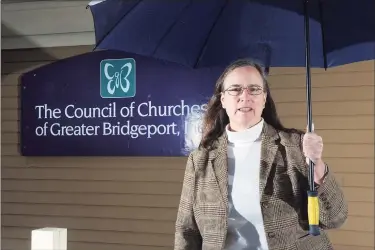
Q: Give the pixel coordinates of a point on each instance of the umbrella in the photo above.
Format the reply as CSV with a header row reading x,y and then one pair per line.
x,y
216,32
293,33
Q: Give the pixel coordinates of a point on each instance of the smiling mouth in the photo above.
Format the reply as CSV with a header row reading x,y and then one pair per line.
x,y
245,109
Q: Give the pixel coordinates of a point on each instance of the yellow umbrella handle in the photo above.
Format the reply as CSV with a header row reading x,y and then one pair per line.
x,y
313,213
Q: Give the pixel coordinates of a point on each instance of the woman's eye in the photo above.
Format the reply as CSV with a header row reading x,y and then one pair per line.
x,y
255,90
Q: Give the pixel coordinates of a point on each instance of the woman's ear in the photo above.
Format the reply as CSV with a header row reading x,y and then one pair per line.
x,y
265,99
222,100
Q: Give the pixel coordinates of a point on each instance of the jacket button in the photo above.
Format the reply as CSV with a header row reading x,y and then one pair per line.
x,y
271,234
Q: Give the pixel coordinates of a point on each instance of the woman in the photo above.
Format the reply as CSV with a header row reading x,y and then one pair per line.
x,y
246,185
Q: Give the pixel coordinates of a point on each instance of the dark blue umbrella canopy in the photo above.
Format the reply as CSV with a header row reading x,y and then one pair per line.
x,y
210,33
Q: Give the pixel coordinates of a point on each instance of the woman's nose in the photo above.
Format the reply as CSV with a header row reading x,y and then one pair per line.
x,y
245,95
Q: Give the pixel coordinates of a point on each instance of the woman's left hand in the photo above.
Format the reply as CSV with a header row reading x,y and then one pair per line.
x,y
313,150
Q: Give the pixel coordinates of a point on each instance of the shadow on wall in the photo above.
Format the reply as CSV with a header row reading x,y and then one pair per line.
x,y
12,63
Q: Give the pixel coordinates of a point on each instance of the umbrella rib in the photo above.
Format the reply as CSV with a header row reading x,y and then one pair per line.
x,y
115,25
209,34
170,28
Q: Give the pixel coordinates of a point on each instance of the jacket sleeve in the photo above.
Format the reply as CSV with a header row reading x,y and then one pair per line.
x,y
333,209
187,235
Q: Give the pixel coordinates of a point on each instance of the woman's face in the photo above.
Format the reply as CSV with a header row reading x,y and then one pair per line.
x,y
243,97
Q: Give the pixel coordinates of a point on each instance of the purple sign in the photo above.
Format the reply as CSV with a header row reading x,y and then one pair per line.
x,y
110,103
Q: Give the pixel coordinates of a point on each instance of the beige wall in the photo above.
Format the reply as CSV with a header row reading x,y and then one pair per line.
x,y
119,203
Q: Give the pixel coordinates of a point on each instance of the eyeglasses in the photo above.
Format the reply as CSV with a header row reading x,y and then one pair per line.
x,y
238,90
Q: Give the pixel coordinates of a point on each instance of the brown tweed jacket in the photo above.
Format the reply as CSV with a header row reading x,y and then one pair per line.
x,y
202,214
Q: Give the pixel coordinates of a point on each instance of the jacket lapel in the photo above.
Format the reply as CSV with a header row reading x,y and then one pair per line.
x,y
219,162
268,153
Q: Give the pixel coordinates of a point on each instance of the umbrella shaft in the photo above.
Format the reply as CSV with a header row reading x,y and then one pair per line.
x,y
308,87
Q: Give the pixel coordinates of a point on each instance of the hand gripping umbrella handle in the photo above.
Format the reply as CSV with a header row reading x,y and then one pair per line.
x,y
312,197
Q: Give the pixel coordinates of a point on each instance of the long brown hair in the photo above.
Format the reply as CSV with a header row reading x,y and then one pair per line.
x,y
216,119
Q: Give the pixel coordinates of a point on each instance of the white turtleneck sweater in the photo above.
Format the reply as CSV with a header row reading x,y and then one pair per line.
x,y
245,220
